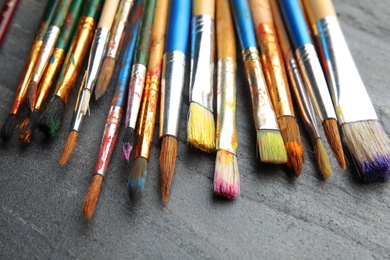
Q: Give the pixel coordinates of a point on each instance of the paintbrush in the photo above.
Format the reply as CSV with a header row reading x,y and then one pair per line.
x,y
299,90
67,30
7,13
200,123
271,58
114,117
137,78
21,89
149,105
313,75
52,115
270,142
114,47
96,55
363,134
172,84
226,175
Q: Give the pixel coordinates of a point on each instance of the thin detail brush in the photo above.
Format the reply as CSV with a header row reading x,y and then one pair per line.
x,y
7,13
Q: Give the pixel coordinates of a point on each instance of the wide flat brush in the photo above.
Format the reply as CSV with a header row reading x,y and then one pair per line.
x,y
7,13
270,142
172,84
21,89
114,117
271,58
312,74
137,78
114,47
226,175
149,105
363,134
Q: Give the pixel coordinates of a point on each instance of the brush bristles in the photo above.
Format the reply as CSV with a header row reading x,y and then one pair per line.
x,y
28,126
51,119
127,143
104,77
271,146
167,164
92,196
69,147
226,176
322,159
292,141
32,94
8,127
137,178
332,134
201,128
369,146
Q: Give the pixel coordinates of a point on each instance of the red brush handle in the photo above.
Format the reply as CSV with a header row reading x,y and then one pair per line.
x,y
7,13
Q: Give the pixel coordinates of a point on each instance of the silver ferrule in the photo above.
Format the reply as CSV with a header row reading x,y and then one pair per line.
x,y
172,83
49,42
78,113
136,89
263,112
202,61
314,79
349,95
226,105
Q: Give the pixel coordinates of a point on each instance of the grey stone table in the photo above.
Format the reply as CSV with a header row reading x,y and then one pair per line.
x,y
276,216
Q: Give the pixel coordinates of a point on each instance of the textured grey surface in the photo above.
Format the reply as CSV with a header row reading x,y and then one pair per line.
x,y
276,216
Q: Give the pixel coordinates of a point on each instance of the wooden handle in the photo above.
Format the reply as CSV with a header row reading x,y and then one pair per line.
x,y
318,9
200,7
108,14
225,30
261,11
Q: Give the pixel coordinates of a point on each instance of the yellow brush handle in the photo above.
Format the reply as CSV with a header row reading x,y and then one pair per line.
x,y
108,13
200,7
318,9
225,30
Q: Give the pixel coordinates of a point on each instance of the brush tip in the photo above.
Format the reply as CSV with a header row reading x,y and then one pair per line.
x,y
28,126
127,143
226,176
271,146
8,127
51,118
69,147
201,128
322,159
104,77
167,160
137,178
92,196
332,134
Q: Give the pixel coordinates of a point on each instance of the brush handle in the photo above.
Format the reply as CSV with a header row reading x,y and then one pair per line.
x,y
178,26
47,17
225,31
93,9
60,13
244,25
203,7
108,14
7,12
318,9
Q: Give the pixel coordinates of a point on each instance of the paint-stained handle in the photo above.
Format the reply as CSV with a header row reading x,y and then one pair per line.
x,y
108,14
202,7
225,31
60,13
93,9
46,19
243,19
178,25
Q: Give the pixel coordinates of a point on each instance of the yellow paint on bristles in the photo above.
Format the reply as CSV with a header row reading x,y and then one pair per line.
x,y
322,159
271,146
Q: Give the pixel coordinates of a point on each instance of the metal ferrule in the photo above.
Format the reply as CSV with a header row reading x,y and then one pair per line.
x,y
202,61
172,83
78,113
314,79
349,95
226,134
110,135
136,88
263,112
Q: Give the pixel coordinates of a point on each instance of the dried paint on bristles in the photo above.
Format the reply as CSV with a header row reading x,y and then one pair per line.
x,y
32,94
8,127
69,147
28,126
167,159
104,77
137,178
226,176
292,141
92,196
322,159
369,146
127,143
271,146
51,119
332,134
201,128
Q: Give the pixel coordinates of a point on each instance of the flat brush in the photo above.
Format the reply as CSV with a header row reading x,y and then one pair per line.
x,y
172,84
363,134
301,96
226,175
21,89
114,47
7,13
137,78
150,98
312,74
271,58
114,117
52,115
270,142
96,55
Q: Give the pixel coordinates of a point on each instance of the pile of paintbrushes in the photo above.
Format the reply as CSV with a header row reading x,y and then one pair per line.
x,y
279,59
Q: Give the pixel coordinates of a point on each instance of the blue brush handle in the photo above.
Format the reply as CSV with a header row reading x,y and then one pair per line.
x,y
244,25
178,26
295,22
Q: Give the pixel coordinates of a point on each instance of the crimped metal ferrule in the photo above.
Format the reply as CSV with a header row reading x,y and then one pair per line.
x,y
78,114
110,135
314,79
263,112
202,61
226,105
349,95
172,83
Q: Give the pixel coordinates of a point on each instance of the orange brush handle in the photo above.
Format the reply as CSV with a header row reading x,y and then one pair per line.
x,y
225,31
